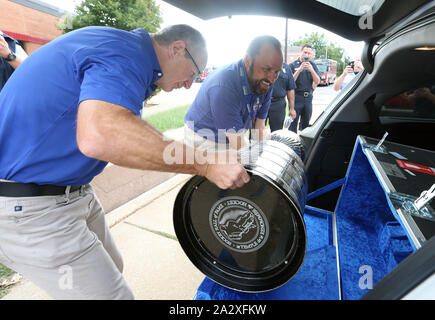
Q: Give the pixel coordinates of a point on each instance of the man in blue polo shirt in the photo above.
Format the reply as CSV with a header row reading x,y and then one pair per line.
x,y
236,98
72,107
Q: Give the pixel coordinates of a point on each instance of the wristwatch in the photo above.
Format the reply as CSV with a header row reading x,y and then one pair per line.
x,y
11,57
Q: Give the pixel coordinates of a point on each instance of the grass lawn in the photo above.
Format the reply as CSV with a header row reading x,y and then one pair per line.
x,y
169,119
5,273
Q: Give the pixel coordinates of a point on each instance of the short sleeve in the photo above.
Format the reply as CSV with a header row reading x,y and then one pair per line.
x,y
111,78
225,106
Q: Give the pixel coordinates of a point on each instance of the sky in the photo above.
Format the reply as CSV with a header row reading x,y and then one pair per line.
x,y
228,38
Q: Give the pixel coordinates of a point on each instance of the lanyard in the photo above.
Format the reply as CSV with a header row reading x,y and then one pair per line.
x,y
252,109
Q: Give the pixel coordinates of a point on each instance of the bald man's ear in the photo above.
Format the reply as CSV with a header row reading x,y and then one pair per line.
x,y
247,61
176,48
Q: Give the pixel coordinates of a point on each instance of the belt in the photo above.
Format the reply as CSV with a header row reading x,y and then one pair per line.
x,y
276,99
303,93
16,189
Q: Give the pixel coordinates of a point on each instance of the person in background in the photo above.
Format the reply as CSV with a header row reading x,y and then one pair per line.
x,y
9,59
283,87
307,77
349,73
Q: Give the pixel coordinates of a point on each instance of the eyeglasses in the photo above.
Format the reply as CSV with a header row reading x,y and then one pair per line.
x,y
196,66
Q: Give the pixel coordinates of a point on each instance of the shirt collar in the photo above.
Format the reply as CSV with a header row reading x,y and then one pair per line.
x,y
149,48
243,74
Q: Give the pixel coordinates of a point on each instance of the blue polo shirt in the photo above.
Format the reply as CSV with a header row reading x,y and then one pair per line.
x,y
225,101
38,105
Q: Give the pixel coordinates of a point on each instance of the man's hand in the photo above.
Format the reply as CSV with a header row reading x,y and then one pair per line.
x,y
292,113
422,92
225,171
4,48
348,70
306,66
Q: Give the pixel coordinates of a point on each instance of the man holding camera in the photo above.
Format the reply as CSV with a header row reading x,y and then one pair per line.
x,y
307,78
9,61
348,74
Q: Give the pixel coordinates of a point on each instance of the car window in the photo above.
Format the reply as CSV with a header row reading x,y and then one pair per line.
x,y
415,104
356,7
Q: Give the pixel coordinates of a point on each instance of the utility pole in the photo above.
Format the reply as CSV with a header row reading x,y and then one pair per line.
x,y
285,46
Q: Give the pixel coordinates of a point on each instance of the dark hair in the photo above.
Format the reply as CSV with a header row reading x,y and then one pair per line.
x,y
256,45
307,45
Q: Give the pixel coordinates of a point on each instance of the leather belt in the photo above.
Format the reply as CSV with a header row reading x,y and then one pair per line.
x,y
303,93
16,189
276,99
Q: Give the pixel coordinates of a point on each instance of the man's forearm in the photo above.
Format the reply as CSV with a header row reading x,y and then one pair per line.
x,y
316,78
115,135
261,132
296,74
339,82
15,63
291,99
237,141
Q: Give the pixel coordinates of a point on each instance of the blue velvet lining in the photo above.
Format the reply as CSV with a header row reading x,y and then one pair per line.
x,y
371,242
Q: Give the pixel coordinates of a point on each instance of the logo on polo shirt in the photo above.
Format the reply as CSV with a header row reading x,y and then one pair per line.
x,y
257,105
239,224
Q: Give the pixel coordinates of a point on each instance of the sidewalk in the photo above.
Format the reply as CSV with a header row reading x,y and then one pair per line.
x,y
155,266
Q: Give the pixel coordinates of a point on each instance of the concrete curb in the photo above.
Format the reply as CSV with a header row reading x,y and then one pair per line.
x,y
121,213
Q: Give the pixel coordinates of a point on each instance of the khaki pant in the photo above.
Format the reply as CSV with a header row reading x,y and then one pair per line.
x,y
63,245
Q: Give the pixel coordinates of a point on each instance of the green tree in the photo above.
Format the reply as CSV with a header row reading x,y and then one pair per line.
x,y
120,14
318,41
323,48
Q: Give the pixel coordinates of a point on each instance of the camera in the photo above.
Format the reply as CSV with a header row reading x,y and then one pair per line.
x,y
352,64
306,59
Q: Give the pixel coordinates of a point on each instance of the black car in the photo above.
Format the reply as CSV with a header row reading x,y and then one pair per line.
x,y
395,94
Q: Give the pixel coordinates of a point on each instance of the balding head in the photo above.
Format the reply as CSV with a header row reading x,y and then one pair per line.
x,y
195,42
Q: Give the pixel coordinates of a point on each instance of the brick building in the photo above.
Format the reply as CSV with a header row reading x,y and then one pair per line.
x,y
292,53
32,22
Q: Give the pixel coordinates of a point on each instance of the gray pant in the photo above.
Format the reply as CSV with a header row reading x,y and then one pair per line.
x,y
63,245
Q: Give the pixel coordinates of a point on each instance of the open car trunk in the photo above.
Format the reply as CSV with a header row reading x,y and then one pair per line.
x,y
360,241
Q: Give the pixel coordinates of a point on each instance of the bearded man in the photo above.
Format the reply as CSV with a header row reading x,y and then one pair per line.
x,y
235,99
